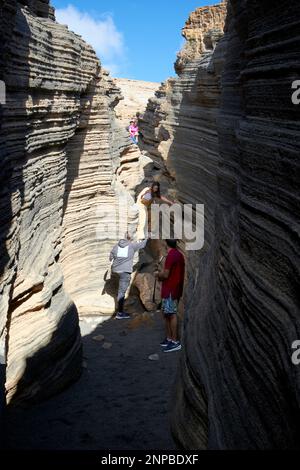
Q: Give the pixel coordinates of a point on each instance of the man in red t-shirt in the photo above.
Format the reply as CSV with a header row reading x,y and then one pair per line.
x,y
172,278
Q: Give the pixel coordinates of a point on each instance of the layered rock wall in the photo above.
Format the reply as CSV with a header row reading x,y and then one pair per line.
x,y
60,151
91,197
180,124
103,170
228,134
136,94
44,78
255,311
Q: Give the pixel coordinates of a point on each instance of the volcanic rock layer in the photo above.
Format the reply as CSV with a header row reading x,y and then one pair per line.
x,y
228,133
224,134
64,165
136,94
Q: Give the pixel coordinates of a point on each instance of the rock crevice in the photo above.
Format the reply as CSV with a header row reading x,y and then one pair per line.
x,y
224,133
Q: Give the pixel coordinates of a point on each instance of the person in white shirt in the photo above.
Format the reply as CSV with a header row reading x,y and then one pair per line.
x,y
122,256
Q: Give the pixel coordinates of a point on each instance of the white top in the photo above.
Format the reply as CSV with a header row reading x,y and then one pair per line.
x,y
122,252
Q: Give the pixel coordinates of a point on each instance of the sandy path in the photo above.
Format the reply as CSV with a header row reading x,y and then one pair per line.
x,y
121,401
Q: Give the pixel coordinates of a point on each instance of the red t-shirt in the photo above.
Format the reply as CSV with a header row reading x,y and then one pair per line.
x,y
174,284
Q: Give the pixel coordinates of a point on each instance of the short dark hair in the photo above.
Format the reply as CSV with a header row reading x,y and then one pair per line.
x,y
172,243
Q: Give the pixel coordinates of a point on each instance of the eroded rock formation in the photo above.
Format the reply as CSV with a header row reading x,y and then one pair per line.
x,y
46,70
224,133
103,171
227,131
136,94
61,148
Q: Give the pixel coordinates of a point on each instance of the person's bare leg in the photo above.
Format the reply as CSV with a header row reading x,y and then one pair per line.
x,y
173,327
142,229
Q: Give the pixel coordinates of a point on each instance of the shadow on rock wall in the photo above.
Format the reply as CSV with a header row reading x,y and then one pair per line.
x,y
18,153
11,178
237,387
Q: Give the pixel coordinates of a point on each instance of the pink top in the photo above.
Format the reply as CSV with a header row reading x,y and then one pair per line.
x,y
133,130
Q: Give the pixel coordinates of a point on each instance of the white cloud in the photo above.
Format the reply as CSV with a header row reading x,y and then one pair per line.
x,y
101,34
114,69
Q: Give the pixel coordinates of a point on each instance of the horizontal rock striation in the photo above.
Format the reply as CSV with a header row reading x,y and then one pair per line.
x,y
38,318
103,170
180,133
90,198
228,133
136,94
60,151
180,124
255,273
202,32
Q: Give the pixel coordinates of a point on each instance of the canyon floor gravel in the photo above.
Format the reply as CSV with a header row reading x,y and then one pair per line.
x,y
121,402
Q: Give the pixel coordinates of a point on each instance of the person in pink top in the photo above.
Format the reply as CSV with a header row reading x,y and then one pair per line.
x,y
134,132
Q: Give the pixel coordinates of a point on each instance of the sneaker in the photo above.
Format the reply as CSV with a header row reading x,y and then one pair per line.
x,y
172,346
165,343
122,316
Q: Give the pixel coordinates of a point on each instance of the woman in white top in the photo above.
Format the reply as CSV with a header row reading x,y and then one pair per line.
x,y
145,199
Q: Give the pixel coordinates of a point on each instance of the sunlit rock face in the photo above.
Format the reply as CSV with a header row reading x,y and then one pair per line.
x,y
61,148
228,134
103,170
136,94
91,197
202,32
46,69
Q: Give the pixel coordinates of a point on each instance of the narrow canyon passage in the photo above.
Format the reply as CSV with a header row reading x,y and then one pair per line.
x,y
121,402
222,134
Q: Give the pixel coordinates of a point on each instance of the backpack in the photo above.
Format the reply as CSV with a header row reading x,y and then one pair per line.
x,y
146,199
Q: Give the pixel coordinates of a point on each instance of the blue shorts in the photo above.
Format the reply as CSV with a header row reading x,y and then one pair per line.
x,y
169,306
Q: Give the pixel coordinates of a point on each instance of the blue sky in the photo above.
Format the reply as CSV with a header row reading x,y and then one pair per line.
x,y
134,39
